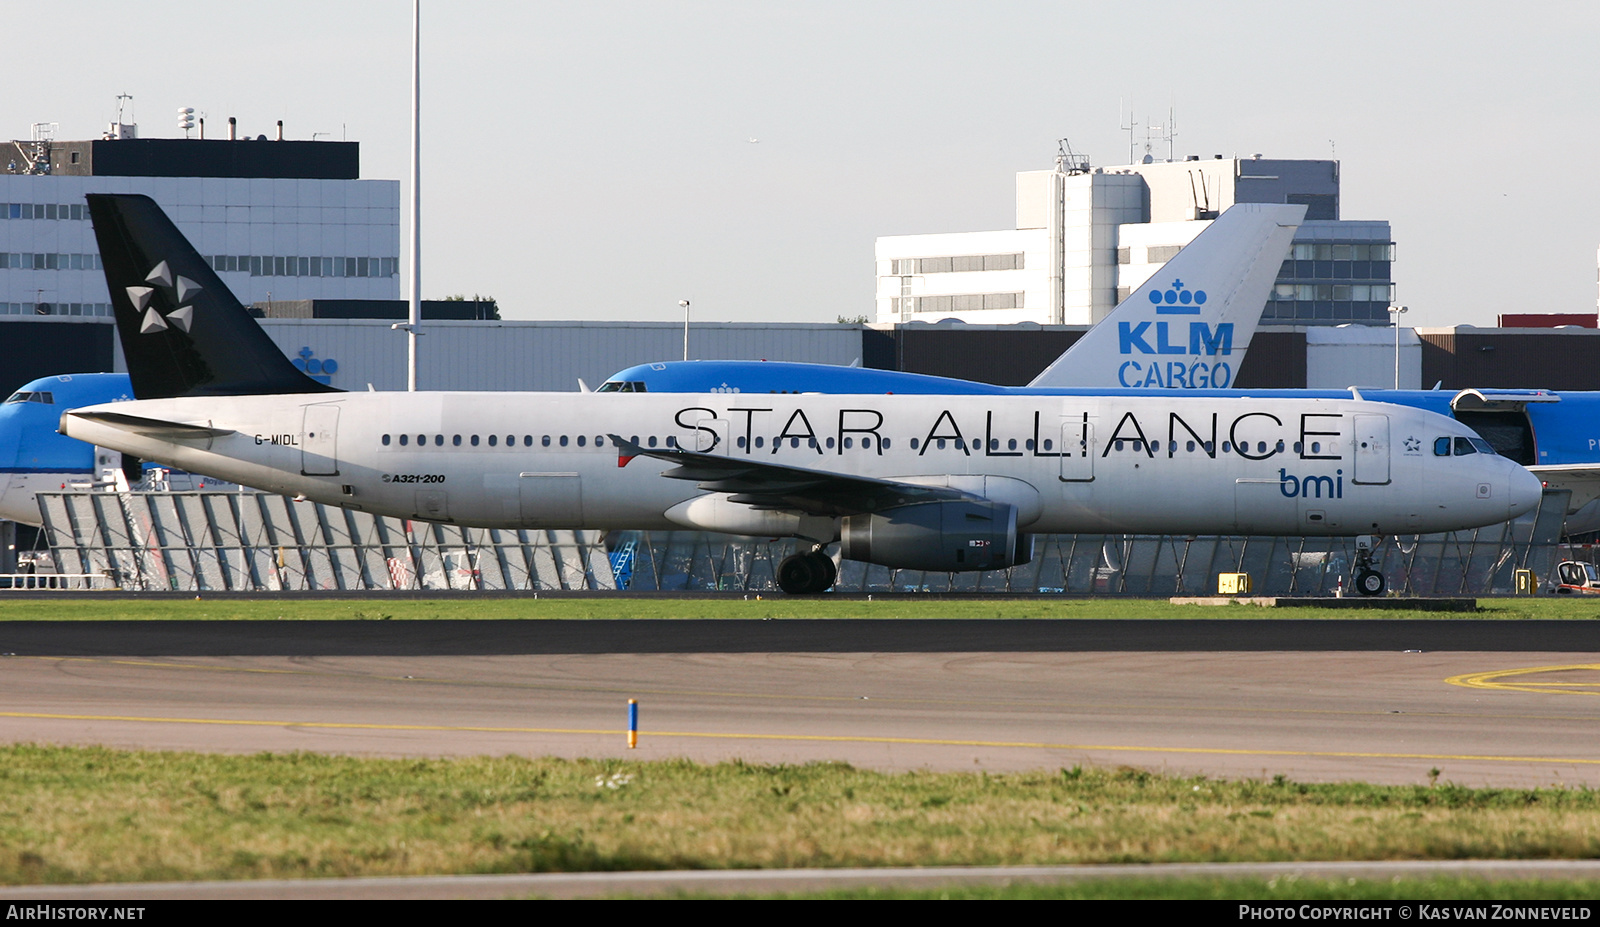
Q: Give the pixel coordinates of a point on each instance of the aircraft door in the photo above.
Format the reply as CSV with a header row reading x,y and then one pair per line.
x,y
1077,448
1372,449
319,454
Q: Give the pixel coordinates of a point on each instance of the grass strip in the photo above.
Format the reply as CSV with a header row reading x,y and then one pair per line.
x,y
377,608
85,814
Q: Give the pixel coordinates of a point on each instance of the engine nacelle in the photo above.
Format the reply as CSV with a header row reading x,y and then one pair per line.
x,y
943,536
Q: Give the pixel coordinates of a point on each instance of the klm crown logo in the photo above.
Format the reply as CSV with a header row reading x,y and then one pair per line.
x,y
1177,301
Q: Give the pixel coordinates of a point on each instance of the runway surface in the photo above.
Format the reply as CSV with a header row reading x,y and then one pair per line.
x,y
1485,702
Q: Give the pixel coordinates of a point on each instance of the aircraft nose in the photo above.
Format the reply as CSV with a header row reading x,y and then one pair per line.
x,y
1524,492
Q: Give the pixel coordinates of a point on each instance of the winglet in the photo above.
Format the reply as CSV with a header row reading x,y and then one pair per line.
x,y
626,450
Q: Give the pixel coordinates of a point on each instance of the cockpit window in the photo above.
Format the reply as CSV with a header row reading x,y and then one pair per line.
x,y
1460,447
621,386
44,396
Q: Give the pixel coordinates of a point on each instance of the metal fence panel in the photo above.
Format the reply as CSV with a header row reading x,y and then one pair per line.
x,y
258,541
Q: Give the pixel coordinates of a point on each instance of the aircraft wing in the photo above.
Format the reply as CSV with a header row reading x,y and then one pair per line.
x,y
785,488
1582,479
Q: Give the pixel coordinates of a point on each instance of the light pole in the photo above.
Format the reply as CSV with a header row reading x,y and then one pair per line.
x,y
414,298
685,304
1395,311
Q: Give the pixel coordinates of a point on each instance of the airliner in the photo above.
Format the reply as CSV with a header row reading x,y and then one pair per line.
x,y
33,457
953,483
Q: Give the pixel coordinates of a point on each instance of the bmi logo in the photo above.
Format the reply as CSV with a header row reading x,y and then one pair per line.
x,y
1177,301
317,368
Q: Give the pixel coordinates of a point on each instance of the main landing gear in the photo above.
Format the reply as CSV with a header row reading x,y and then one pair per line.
x,y
807,574
1368,580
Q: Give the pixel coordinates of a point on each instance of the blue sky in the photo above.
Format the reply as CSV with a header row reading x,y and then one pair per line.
x,y
593,160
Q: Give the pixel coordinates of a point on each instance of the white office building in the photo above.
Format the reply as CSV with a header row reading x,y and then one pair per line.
x,y
1086,237
276,219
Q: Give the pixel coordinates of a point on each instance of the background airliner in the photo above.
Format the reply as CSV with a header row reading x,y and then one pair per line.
x,y
924,482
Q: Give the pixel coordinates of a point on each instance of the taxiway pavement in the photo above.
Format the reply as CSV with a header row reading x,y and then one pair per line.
x,y
1484,702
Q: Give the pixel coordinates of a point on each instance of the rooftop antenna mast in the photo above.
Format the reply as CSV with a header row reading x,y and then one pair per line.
x,y
123,128
1127,124
1166,133
1172,129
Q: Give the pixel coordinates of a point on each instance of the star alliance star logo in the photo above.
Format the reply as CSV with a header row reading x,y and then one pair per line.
x,y
1413,445
180,290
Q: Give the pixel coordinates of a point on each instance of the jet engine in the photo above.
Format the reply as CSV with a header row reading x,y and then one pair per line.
x,y
955,536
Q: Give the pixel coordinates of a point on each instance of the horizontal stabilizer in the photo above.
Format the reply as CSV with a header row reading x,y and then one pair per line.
x,y
154,427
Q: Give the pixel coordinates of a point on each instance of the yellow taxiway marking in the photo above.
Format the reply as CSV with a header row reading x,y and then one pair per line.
x,y
812,738
1496,679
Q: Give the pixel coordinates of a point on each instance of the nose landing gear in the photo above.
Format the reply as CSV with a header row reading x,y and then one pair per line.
x,y
807,574
1368,580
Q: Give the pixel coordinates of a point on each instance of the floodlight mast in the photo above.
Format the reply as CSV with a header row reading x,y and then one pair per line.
x,y
416,196
1395,312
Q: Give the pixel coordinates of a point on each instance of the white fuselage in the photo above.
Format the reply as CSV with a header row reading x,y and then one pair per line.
x,y
1069,464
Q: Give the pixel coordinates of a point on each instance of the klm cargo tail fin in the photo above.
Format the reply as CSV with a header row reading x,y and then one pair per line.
x,y
1189,325
183,333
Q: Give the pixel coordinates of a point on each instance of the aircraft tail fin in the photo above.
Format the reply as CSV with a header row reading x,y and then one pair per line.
x,y
1188,326
183,332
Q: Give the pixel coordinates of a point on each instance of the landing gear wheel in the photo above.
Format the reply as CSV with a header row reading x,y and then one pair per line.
x,y
806,574
1370,582
830,573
